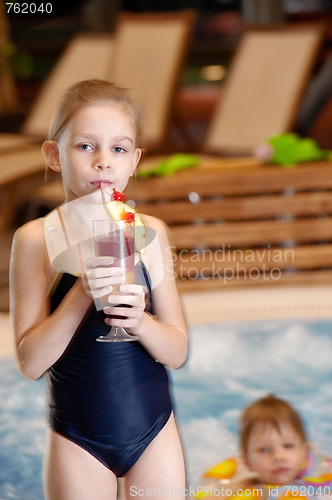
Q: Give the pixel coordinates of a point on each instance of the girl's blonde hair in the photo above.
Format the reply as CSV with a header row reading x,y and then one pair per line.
x,y
89,92
273,411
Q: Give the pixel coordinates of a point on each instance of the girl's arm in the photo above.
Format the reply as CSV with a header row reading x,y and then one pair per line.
x,y
165,335
41,338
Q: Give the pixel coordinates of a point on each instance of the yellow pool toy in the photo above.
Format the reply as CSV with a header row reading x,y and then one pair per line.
x,y
232,479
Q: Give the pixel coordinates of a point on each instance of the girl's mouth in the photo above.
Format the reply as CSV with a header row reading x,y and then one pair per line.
x,y
101,184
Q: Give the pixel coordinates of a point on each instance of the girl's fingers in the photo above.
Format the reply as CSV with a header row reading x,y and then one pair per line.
x,y
126,310
100,292
100,278
134,301
94,262
134,289
127,323
121,316
100,272
102,282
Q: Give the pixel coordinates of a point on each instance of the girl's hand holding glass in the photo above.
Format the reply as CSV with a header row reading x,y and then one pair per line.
x,y
130,316
99,278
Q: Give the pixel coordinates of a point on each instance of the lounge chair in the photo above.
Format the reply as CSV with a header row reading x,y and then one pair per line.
x,y
146,54
267,78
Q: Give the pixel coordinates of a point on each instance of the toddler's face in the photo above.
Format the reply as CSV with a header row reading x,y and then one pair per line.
x,y
276,455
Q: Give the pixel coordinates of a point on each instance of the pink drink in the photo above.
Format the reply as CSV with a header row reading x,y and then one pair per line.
x,y
121,249
119,244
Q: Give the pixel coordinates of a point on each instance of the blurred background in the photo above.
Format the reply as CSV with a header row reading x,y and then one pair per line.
x,y
197,105
35,42
44,49
216,94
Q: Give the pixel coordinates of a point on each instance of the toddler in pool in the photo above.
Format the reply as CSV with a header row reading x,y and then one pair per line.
x,y
273,440
274,460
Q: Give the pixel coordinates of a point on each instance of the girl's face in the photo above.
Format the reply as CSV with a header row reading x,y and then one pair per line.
x,y
276,455
96,148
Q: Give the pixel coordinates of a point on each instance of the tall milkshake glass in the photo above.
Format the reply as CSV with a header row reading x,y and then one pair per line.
x,y
116,238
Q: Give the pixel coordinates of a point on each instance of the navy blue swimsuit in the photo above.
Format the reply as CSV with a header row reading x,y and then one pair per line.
x,y
112,399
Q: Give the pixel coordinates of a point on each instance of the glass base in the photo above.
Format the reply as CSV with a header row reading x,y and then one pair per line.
x,y
117,334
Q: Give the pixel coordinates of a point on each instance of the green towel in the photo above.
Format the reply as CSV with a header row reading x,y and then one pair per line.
x,y
290,149
170,165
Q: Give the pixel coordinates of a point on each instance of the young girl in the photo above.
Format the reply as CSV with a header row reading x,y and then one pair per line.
x,y
109,406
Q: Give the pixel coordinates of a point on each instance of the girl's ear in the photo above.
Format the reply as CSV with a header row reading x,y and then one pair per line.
x,y
137,156
51,154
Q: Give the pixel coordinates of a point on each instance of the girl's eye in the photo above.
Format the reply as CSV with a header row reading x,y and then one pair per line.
x,y
119,149
289,445
85,147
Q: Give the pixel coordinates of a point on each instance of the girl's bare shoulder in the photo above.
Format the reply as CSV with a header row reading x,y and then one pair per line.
x,y
158,225
30,236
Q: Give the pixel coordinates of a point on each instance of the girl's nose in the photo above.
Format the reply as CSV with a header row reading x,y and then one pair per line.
x,y
102,166
102,163
102,159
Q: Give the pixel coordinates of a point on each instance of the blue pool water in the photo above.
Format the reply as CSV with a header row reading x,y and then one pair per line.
x,y
229,365
232,364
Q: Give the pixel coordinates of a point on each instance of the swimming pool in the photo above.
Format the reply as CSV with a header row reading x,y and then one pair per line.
x,y
229,365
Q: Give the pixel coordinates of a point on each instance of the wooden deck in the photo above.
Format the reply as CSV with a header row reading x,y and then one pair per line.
x,y
234,222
